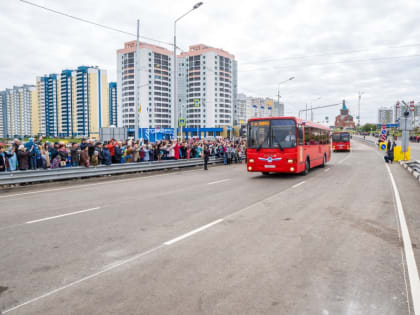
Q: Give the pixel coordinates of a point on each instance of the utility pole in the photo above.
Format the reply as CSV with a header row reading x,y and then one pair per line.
x,y
137,83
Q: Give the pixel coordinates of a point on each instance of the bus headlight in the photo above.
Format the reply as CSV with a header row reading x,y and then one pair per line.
x,y
251,160
249,168
292,169
291,161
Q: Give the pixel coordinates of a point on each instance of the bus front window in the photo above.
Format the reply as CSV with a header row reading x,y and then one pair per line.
x,y
258,134
283,133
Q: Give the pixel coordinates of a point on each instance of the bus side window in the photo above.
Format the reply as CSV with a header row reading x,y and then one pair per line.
x,y
300,135
307,135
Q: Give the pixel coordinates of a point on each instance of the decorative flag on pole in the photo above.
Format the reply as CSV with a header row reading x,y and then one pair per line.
x,y
196,102
139,108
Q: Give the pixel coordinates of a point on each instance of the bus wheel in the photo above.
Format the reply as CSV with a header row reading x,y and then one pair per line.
x,y
324,161
265,173
306,171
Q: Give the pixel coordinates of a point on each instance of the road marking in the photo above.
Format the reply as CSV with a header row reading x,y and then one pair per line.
x,y
135,257
62,215
85,278
219,181
204,227
342,160
298,184
327,170
413,274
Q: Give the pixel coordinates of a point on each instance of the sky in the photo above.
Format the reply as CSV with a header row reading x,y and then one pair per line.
x,y
333,48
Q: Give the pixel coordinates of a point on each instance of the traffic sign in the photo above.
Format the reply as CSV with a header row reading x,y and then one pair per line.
x,y
182,122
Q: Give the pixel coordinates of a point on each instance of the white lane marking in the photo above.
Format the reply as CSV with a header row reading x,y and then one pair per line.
x,y
113,266
204,227
62,215
87,185
219,181
327,170
85,278
413,274
298,184
342,160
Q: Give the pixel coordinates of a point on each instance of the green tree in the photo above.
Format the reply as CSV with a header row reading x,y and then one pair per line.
x,y
367,127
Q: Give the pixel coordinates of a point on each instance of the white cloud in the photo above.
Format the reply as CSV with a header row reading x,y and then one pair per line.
x,y
261,34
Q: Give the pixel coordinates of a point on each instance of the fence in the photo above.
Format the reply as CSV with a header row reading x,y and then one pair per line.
x,y
35,176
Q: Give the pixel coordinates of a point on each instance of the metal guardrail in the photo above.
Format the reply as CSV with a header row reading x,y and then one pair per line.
x,y
414,165
34,176
368,141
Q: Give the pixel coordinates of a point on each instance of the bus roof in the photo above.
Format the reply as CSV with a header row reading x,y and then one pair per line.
x,y
341,132
298,120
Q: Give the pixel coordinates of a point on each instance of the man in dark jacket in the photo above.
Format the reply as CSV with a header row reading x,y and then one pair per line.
x,y
206,155
117,154
106,156
389,157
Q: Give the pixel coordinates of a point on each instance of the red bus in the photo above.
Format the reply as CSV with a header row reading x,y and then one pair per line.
x,y
286,145
341,141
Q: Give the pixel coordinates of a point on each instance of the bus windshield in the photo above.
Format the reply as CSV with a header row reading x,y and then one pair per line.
x,y
341,137
274,133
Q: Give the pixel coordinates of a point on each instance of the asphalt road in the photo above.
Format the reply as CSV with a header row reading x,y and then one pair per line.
x,y
222,241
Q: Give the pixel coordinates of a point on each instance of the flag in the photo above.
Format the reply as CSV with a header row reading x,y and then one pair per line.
x,y
140,108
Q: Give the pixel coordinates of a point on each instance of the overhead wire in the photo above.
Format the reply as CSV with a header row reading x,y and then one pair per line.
x,y
93,23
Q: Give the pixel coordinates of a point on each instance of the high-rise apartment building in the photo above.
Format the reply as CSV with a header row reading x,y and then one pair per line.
x,y
263,107
16,111
68,98
207,85
74,103
3,116
240,110
113,121
92,107
385,115
152,82
49,104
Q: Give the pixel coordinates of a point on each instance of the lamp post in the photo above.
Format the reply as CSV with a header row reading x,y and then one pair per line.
x,y
306,108
278,90
358,115
174,65
137,83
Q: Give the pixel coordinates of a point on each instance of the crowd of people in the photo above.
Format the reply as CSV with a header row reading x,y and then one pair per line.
x,y
36,154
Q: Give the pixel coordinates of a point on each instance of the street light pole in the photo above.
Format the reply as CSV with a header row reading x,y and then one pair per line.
x,y
137,83
278,90
358,117
174,65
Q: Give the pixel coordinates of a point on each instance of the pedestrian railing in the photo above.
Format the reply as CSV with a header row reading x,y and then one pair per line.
x,y
41,175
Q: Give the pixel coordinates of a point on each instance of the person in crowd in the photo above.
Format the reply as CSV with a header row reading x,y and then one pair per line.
x,y
23,157
75,154
31,147
106,156
84,157
117,153
2,159
11,159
